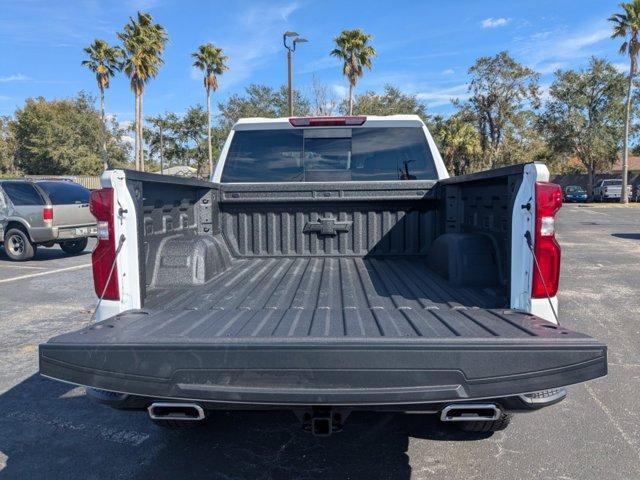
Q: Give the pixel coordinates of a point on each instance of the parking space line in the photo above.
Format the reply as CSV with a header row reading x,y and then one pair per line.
x,y
22,266
39,274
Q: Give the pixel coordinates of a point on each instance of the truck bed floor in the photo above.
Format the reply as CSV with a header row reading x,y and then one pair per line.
x,y
298,297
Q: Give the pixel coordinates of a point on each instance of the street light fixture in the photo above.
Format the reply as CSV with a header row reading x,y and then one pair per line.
x,y
291,47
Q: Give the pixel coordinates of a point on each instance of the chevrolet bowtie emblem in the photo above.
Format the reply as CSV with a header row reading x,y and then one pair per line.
x,y
327,226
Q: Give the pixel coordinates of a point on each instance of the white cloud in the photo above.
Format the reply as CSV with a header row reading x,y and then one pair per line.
x,y
578,42
128,139
494,22
323,63
547,68
4,98
622,67
545,93
443,96
448,71
546,51
340,90
14,78
259,39
124,125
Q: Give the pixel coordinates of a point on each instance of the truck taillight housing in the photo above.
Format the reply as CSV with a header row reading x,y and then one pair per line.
x,y
104,254
47,213
546,248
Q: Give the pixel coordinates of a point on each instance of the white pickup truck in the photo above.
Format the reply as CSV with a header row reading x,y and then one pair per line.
x,y
609,189
330,265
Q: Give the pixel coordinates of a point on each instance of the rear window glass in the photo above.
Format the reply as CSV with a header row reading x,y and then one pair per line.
x,y
320,155
613,182
65,193
22,194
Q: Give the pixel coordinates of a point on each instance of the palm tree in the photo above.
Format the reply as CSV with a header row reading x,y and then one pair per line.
x,y
459,143
104,61
144,43
627,25
353,49
211,61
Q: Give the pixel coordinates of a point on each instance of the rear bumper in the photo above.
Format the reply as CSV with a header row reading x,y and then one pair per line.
x,y
80,231
53,234
351,373
611,195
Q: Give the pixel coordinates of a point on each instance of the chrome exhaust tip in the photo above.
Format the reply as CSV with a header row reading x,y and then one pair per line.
x,y
470,412
175,411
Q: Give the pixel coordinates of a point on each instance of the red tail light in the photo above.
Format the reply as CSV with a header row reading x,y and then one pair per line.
x,y
104,254
546,248
327,121
47,213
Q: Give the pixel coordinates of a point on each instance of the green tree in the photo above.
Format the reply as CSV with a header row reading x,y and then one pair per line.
x,y
184,139
525,142
161,141
7,146
211,61
459,144
63,137
585,116
391,102
627,25
260,101
500,89
144,42
191,132
104,61
353,48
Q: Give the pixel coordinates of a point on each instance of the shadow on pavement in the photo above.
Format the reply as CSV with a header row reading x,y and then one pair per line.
x,y
50,430
628,236
44,254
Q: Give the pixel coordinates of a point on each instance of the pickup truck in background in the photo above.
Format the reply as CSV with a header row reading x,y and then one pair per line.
x,y
609,189
330,265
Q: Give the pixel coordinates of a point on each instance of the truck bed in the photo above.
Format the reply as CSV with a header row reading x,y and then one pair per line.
x,y
325,297
337,331
322,294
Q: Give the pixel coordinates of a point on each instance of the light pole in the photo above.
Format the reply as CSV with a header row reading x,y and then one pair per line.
x,y
161,150
290,49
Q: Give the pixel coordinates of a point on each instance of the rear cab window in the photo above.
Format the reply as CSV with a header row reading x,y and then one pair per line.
x,y
65,193
22,194
329,154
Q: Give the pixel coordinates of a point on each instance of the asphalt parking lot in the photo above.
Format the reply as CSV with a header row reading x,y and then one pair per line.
x,y
50,430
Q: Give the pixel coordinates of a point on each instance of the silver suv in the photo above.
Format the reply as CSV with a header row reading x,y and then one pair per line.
x,y
43,213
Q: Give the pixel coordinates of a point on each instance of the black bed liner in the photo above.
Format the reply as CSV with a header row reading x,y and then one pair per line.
x,y
323,290
337,331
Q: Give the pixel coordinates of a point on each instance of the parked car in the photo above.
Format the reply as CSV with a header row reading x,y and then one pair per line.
x,y
330,265
44,213
609,189
575,193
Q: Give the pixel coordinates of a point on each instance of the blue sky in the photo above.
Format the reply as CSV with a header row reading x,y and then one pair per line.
x,y
424,47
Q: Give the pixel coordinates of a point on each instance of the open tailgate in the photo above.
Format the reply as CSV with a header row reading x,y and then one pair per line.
x,y
165,354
